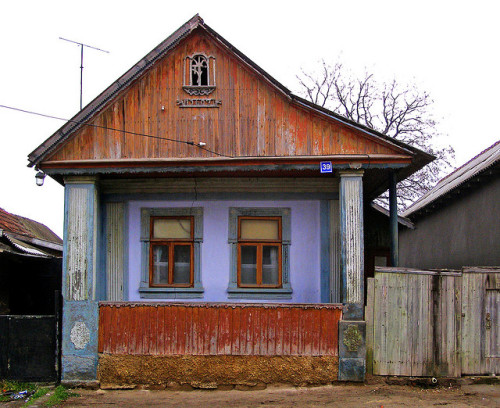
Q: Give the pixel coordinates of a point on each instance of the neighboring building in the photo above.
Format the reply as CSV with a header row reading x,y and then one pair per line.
x,y
457,223
30,266
195,178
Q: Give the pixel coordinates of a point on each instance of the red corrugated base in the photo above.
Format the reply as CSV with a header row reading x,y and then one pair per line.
x,y
219,329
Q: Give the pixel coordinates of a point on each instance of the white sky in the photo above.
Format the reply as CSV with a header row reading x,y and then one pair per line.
x,y
448,48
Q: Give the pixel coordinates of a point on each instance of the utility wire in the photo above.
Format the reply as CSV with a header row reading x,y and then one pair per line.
x,y
115,130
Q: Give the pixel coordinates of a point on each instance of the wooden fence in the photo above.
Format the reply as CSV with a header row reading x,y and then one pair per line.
x,y
433,323
218,329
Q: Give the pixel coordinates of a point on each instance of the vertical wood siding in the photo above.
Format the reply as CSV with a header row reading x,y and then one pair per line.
x,y
114,251
254,118
424,323
415,324
481,321
215,329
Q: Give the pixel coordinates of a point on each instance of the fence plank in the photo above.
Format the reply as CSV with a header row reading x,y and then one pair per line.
x,y
370,288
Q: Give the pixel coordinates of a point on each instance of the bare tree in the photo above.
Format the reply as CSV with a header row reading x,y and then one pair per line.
x,y
400,111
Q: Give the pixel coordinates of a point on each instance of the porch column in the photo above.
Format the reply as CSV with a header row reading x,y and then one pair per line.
x,y
352,328
352,241
80,311
393,219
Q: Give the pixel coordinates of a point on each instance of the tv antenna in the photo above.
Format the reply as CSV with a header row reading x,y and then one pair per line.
x,y
81,62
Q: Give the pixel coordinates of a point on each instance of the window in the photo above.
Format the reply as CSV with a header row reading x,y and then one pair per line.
x,y
171,239
259,252
199,74
199,71
260,240
171,252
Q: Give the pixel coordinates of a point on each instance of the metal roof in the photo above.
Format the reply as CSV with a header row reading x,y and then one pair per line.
x,y
458,177
420,158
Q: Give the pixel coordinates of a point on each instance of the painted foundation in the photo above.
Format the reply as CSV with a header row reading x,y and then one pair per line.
x,y
216,371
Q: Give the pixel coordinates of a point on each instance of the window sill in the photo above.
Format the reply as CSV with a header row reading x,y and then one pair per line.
x,y
259,293
170,293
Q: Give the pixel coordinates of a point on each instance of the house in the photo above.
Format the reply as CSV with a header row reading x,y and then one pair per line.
x,y
214,224
457,223
30,266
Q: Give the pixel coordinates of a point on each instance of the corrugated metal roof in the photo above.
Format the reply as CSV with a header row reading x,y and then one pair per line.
x,y
473,167
26,248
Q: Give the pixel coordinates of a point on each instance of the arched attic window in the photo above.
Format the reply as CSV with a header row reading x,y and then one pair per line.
x,y
199,71
199,74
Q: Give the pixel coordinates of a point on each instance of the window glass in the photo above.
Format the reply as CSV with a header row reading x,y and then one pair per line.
x,y
171,228
259,229
160,264
182,264
248,264
270,265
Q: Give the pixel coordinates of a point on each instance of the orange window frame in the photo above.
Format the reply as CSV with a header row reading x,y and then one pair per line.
x,y
260,244
171,244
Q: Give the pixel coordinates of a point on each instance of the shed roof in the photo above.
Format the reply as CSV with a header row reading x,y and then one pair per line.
x,y
24,228
419,158
474,167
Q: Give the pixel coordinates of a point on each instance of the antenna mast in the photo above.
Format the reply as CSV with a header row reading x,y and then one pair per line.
x,y
81,62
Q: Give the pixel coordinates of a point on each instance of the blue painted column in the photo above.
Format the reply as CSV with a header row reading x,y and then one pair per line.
x,y
352,239
80,310
352,328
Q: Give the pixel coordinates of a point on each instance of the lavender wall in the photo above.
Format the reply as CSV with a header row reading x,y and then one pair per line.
x,y
304,249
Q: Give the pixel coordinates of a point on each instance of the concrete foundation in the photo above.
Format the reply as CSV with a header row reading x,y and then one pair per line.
x,y
352,350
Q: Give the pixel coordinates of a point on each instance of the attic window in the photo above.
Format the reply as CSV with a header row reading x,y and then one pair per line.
x,y
199,71
199,74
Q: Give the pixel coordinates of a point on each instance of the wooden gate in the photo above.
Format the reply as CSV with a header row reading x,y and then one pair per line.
x,y
433,323
480,321
29,348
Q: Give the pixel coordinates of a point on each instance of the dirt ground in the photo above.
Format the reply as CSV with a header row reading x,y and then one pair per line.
x,y
345,396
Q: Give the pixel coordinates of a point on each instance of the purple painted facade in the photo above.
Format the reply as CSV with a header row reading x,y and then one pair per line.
x,y
215,250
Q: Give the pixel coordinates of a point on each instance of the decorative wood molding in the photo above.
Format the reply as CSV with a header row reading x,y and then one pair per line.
x,y
198,90
198,103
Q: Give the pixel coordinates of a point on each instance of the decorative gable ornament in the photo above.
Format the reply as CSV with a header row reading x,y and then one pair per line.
x,y
199,74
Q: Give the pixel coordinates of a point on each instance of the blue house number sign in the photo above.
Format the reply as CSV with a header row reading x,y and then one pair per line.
x,y
326,167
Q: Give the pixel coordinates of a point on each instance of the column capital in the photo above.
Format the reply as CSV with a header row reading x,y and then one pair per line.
x,y
81,179
351,173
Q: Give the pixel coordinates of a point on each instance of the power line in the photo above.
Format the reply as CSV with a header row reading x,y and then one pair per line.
x,y
198,145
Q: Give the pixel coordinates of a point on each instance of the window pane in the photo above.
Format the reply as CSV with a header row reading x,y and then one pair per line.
x,y
182,264
160,265
270,266
248,264
172,228
259,229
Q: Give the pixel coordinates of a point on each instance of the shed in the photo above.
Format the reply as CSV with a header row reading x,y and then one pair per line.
x,y
457,223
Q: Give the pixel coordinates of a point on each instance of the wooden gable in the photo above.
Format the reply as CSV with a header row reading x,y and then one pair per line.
x,y
248,117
